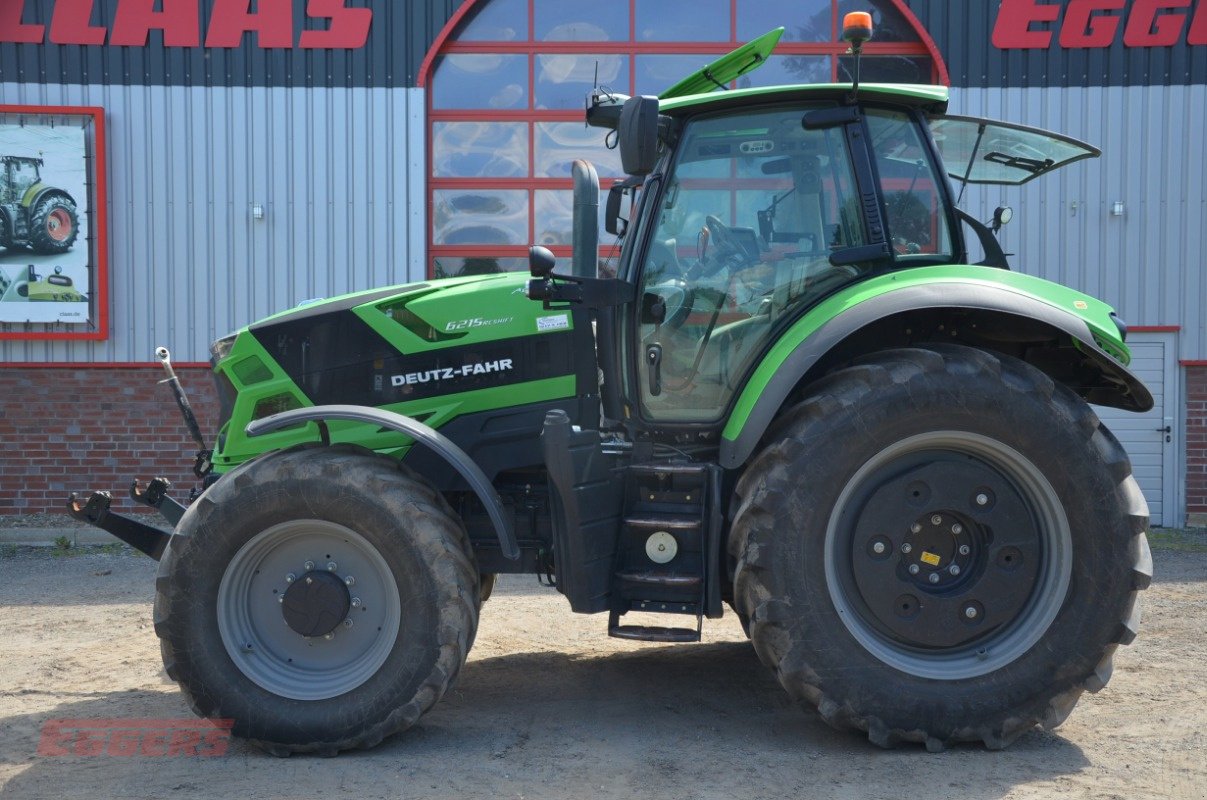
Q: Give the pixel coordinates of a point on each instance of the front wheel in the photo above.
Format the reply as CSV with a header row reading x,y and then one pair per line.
x,y
322,598
940,545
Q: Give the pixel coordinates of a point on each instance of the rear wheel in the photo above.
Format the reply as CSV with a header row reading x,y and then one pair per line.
x,y
322,598
940,545
54,225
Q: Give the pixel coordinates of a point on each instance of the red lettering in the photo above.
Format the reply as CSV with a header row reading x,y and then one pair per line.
x,y
12,29
90,742
349,26
1083,28
215,742
124,741
135,19
71,23
1012,31
155,743
1145,28
1198,28
272,21
184,742
55,739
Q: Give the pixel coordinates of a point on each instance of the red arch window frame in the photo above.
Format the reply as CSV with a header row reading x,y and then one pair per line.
x,y
445,44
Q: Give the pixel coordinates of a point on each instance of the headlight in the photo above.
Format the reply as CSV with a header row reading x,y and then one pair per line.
x,y
221,348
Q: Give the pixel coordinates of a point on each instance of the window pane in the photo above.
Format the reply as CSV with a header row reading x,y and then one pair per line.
x,y
456,266
497,21
886,69
559,143
782,70
658,73
479,216
480,149
563,79
888,24
911,194
776,201
481,81
697,21
803,20
580,21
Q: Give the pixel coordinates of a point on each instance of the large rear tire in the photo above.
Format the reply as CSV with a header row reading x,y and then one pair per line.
x,y
322,598
53,226
940,545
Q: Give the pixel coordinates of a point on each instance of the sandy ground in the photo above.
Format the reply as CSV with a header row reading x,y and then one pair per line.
x,y
549,706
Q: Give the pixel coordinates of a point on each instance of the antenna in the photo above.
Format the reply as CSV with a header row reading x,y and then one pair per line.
x,y
856,29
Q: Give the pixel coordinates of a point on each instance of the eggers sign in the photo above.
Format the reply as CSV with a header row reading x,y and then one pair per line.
x,y
1033,24
326,24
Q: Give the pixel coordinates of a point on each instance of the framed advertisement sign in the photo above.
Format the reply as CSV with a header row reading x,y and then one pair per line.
x,y
54,281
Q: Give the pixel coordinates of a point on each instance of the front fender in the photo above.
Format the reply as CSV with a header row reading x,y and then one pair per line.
x,y
1086,321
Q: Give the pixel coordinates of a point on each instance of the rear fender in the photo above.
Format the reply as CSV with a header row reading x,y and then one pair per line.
x,y
864,318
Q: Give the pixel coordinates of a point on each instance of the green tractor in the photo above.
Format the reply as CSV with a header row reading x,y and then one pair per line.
x,y
795,397
32,214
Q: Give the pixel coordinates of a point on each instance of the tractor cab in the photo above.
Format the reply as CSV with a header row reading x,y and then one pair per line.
x,y
20,173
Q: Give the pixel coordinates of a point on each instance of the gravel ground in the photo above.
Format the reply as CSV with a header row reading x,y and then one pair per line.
x,y
549,706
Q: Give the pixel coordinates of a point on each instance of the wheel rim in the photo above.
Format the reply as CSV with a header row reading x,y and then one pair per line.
x,y
58,225
948,555
262,639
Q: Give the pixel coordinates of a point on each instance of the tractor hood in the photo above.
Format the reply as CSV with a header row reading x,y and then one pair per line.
x,y
433,351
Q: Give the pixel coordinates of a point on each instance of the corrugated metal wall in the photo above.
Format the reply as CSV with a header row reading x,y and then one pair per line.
x,y
1151,262
340,174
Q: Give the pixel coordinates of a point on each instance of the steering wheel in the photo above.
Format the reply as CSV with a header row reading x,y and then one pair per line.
x,y
726,246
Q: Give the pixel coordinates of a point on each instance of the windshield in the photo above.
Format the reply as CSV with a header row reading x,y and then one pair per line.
x,y
987,151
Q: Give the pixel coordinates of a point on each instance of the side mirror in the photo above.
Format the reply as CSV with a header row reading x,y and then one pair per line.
x,y
639,135
613,222
540,262
1001,216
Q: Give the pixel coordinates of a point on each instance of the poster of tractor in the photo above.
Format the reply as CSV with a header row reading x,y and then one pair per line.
x,y
45,265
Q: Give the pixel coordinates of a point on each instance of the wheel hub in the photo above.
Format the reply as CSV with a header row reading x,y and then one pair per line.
x,y
944,551
316,603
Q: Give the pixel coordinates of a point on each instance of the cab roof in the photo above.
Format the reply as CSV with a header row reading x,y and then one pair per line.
x,y
930,98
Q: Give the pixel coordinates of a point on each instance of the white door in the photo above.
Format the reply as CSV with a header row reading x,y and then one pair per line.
x,y
1152,438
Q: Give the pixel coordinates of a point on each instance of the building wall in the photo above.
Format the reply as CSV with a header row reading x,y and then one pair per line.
x,y
339,172
1196,444
85,429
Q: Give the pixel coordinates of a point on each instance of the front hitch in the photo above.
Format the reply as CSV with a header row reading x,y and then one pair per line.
x,y
139,535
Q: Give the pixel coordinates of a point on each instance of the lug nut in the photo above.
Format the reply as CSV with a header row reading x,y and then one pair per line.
x,y
916,528
309,565
331,566
309,580
290,578
356,602
878,548
936,520
965,549
913,569
907,548
954,569
280,598
348,622
971,612
933,577
957,529
329,636
982,499
348,581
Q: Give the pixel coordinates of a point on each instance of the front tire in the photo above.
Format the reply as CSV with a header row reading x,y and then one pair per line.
x,y
940,545
322,598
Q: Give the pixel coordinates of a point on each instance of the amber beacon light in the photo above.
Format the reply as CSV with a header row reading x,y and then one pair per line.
x,y
857,29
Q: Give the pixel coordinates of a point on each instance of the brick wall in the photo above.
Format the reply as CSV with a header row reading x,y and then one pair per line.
x,y
1196,444
65,430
